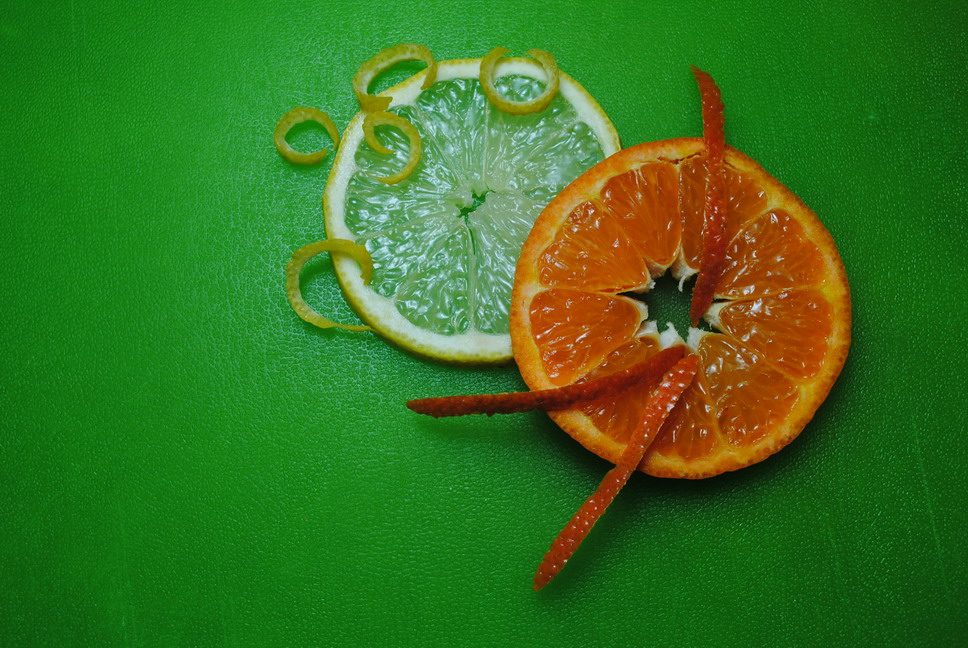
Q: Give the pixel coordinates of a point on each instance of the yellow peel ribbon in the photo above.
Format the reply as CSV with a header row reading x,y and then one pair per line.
x,y
539,103
373,120
298,116
307,252
384,60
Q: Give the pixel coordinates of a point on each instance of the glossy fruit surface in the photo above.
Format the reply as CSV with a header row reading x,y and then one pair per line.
x,y
446,239
781,322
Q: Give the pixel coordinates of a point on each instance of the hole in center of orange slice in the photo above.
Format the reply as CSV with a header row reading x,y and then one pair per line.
x,y
669,305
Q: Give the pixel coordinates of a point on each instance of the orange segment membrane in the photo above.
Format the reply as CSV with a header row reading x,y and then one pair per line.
x,y
789,328
591,251
748,394
645,201
745,200
574,330
772,253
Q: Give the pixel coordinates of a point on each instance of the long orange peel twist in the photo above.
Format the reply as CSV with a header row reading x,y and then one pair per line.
x,y
646,372
487,75
305,253
714,223
660,404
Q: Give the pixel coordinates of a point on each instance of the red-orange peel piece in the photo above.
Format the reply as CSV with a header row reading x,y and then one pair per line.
x,y
714,223
661,402
646,372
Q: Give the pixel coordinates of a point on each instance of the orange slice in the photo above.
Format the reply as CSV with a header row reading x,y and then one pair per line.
x,y
781,315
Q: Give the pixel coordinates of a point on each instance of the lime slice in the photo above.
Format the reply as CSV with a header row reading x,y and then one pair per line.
x,y
445,240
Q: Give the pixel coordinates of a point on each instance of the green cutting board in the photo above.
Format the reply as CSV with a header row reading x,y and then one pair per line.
x,y
183,462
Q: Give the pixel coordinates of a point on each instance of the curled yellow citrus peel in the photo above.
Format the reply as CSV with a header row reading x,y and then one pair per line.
x,y
382,118
383,61
307,252
539,103
298,116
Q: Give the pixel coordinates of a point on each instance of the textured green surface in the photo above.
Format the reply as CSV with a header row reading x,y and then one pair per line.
x,y
185,463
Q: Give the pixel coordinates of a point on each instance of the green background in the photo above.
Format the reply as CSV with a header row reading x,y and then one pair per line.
x,y
183,462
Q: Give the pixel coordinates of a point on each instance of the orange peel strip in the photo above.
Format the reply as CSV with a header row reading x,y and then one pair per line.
x,y
384,60
661,402
714,224
299,115
539,103
648,371
372,120
307,252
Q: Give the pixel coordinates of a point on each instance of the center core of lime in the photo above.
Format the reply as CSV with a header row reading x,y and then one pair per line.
x,y
477,199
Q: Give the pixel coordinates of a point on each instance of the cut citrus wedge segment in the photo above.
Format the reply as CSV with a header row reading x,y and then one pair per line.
x,y
445,240
640,200
750,396
593,251
772,253
574,331
789,328
782,325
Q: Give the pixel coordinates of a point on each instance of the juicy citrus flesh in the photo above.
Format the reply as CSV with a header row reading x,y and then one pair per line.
x,y
445,240
781,319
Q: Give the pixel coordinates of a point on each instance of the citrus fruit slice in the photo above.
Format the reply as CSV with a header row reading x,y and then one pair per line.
x,y
781,318
445,240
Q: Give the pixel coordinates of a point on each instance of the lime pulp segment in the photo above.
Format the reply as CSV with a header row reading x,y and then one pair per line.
x,y
445,240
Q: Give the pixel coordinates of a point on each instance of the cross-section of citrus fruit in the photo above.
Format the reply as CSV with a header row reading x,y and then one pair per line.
x,y
781,315
445,240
